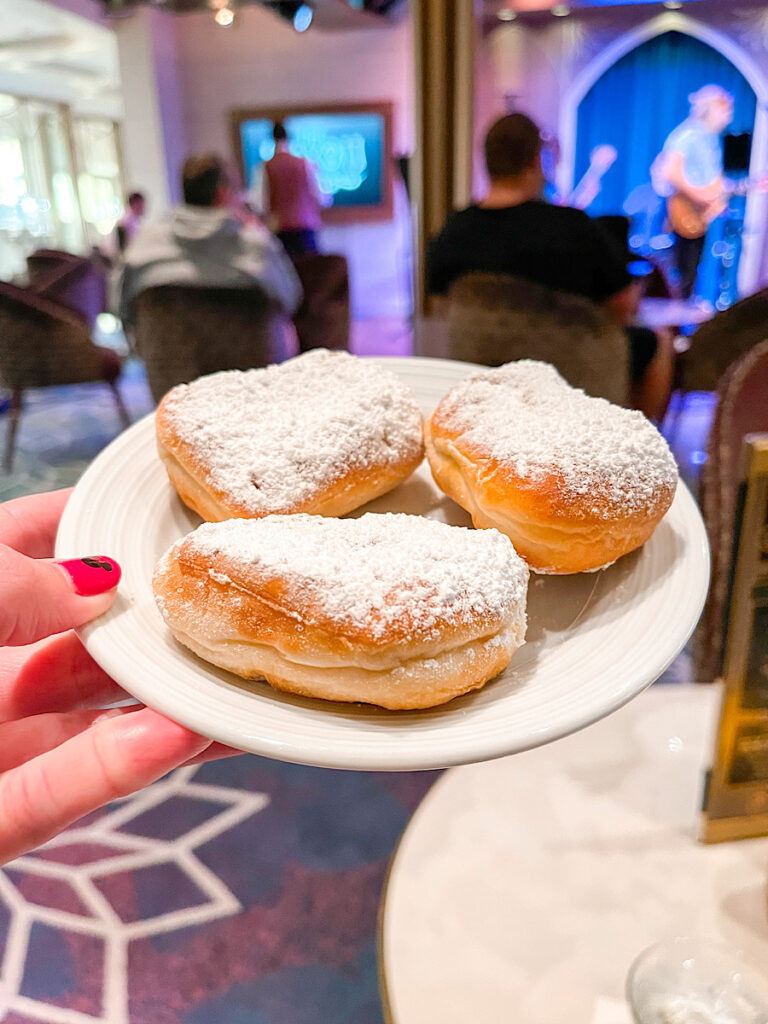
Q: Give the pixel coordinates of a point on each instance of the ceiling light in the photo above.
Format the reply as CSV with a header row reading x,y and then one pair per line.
x,y
673,5
561,10
302,19
224,16
506,14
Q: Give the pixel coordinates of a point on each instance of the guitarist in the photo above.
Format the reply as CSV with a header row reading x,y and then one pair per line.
x,y
691,165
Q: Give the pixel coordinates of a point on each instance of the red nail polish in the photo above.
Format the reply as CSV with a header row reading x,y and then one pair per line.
x,y
94,575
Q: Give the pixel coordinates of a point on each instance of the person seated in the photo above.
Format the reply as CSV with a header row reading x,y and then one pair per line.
x,y
208,241
513,231
128,225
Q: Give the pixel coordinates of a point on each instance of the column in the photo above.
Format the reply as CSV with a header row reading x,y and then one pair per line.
x,y
152,129
444,47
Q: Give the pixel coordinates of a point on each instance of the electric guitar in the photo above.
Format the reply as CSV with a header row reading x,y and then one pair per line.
x,y
690,219
687,217
601,159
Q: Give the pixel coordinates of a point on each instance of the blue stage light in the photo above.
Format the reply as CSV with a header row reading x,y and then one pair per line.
x,y
640,268
302,19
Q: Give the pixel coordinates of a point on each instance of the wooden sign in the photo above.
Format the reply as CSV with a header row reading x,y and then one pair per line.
x,y
736,794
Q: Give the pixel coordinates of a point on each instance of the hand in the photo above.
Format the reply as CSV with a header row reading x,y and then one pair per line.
x,y
712,193
61,754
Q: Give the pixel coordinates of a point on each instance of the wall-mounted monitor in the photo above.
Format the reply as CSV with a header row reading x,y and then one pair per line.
x,y
350,146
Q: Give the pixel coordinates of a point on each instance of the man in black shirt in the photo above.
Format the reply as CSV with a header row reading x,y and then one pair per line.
x,y
512,231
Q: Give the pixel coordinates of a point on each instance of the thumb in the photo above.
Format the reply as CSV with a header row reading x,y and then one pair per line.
x,y
40,597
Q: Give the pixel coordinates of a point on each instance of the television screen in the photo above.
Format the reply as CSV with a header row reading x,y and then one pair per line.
x,y
348,148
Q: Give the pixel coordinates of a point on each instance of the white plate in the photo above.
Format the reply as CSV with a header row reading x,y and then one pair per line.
x,y
594,640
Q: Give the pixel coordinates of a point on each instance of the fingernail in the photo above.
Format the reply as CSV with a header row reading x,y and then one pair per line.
x,y
94,575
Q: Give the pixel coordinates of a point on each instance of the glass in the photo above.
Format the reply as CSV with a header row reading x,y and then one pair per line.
x,y
695,981
99,182
38,208
67,222
43,203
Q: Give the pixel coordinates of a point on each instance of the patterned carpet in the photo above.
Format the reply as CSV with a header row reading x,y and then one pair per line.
x,y
242,891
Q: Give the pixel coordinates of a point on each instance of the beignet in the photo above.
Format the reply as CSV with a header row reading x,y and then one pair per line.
x,y
575,482
395,610
323,433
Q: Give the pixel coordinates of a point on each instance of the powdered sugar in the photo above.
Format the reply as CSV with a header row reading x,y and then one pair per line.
x,y
273,439
375,572
526,415
219,577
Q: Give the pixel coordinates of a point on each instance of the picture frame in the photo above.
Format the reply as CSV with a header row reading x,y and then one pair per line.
x,y
349,212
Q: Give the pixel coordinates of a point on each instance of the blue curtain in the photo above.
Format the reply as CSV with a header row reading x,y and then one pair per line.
x,y
634,106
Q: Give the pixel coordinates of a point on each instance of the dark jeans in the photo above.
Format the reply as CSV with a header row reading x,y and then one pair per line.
x,y
298,241
687,258
642,349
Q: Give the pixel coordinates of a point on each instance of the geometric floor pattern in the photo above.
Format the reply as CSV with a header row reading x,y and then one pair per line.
x,y
244,890
74,887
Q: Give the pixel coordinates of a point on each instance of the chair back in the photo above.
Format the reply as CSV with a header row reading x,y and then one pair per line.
x,y
322,320
723,340
73,281
183,331
43,343
742,409
495,318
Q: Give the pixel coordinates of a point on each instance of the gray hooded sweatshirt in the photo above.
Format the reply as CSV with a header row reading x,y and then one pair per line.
x,y
203,245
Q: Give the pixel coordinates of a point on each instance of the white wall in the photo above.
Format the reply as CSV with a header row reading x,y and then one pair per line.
x,y
261,61
90,9
169,98
143,136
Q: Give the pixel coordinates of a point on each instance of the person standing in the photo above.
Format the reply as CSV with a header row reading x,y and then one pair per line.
x,y
689,170
290,197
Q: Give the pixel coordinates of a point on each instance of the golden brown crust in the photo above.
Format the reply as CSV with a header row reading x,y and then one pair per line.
x,y
260,628
271,608
348,489
553,529
348,492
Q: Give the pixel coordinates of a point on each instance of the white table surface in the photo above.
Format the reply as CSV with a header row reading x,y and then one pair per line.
x,y
524,888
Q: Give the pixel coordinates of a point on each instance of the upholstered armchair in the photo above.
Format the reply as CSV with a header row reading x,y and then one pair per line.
x,y
77,282
184,331
494,319
43,344
742,409
322,319
721,341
